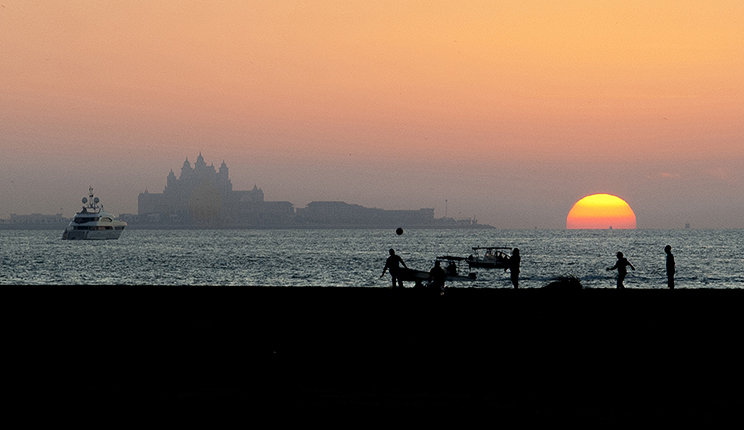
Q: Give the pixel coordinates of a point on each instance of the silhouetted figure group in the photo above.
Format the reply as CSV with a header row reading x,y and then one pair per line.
x,y
437,274
622,264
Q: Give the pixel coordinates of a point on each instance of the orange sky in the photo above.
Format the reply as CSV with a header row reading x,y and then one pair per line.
x,y
511,112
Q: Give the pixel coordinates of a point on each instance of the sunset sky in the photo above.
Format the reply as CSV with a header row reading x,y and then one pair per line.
x,y
511,111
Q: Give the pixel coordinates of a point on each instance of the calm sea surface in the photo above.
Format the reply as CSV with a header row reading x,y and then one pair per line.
x,y
354,258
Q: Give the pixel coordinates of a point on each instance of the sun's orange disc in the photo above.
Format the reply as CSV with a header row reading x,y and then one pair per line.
x,y
601,211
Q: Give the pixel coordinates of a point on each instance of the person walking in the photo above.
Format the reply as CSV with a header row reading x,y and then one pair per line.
x,y
622,269
670,266
393,264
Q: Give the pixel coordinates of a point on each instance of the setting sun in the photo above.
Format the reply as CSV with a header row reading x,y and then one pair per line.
x,y
601,211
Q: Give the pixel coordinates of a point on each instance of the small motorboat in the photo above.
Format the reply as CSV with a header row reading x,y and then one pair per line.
x,y
454,268
489,257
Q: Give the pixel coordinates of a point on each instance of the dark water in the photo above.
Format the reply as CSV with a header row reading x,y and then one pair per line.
x,y
354,258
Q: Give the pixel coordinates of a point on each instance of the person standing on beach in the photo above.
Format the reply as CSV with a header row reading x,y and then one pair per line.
x,y
393,264
513,267
670,267
437,277
621,266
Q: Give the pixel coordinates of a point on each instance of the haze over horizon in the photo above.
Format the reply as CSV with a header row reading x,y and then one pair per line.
x,y
511,112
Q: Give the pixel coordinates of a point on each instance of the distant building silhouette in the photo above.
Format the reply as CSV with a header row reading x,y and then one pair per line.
x,y
340,213
37,219
203,196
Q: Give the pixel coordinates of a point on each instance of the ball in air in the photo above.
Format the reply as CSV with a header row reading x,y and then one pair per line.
x,y
398,231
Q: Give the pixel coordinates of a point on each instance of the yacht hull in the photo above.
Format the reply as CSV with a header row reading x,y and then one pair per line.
x,y
91,234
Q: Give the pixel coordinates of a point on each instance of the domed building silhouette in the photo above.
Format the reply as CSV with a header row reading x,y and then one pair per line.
x,y
204,195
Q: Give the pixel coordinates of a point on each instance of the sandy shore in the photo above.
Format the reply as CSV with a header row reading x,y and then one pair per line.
x,y
524,355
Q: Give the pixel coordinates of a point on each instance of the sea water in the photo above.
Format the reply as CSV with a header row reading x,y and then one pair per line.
x,y
355,257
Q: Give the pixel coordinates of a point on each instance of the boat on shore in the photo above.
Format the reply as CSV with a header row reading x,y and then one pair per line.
x,y
93,222
489,257
455,269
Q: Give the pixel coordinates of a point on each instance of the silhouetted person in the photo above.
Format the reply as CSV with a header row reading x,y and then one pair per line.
x,y
437,276
513,267
393,264
622,270
670,268
452,268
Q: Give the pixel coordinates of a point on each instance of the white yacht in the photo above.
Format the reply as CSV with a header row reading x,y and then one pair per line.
x,y
93,223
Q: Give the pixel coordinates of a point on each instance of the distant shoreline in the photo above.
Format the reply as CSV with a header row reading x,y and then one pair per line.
x,y
267,227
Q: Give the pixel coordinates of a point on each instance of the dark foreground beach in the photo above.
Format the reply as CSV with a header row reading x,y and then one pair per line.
x,y
327,354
